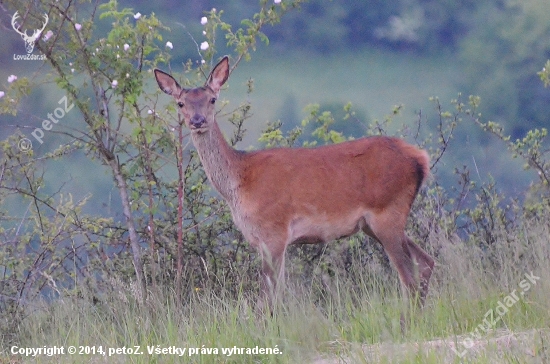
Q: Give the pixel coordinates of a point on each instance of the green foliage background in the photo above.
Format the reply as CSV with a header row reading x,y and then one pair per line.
x,y
501,44
143,220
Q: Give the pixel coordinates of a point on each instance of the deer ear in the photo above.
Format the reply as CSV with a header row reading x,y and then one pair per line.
x,y
219,75
167,83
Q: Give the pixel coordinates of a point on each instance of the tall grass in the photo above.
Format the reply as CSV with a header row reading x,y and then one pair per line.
x,y
348,318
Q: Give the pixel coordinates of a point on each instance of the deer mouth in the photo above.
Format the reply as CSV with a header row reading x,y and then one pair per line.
x,y
198,129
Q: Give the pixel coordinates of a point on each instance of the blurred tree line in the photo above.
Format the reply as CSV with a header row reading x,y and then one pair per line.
x,y
328,26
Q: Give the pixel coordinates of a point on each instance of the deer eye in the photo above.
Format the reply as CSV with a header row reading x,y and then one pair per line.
x,y
180,104
213,100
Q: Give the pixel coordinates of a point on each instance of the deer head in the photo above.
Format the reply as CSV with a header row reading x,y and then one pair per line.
x,y
29,40
196,104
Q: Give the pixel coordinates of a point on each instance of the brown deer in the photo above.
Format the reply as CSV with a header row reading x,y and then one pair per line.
x,y
284,196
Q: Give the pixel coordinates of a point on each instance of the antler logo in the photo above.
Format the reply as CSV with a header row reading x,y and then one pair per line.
x,y
29,40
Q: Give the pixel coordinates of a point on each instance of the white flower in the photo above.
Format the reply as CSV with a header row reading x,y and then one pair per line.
x,y
204,45
169,45
12,78
72,70
137,16
47,36
149,111
204,32
78,26
126,47
114,84
2,93
203,61
277,1
204,20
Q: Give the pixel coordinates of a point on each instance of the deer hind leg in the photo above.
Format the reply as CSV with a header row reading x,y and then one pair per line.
x,y
397,248
390,233
425,267
400,255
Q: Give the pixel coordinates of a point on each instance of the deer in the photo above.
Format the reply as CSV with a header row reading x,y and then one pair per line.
x,y
284,196
29,40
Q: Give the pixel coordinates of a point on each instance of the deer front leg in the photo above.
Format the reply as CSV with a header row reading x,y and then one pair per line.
x,y
272,275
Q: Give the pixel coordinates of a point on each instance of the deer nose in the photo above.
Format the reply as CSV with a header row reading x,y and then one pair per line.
x,y
197,121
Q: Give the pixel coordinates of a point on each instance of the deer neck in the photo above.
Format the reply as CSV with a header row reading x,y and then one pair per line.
x,y
220,161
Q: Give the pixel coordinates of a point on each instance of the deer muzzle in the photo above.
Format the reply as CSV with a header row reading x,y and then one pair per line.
x,y
197,121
